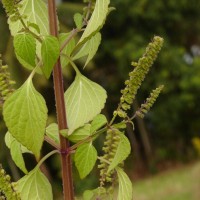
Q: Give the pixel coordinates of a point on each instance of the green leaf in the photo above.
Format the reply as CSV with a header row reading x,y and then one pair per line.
x,y
78,19
64,132
89,49
24,149
50,51
25,49
99,193
33,25
96,21
36,12
122,152
35,186
25,114
16,151
84,99
98,122
80,133
125,186
53,132
67,49
88,195
85,159
9,139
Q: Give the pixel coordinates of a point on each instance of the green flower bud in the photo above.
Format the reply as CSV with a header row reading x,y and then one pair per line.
x,y
137,76
6,187
149,102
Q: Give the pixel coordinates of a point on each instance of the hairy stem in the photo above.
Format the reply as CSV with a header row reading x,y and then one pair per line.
x,y
60,109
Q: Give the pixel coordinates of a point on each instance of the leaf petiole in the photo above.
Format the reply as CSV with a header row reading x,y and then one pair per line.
x,y
29,31
46,156
73,65
87,139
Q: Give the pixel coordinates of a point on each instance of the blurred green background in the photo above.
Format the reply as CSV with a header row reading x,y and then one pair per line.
x,y
169,136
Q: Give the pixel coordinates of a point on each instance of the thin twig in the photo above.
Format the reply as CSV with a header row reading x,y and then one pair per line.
x,y
88,12
72,34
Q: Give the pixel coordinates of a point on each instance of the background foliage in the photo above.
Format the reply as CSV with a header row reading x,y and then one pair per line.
x,y
175,118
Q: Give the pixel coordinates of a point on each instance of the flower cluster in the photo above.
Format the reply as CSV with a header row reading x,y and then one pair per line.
x,y
136,77
6,84
145,107
11,7
110,146
7,190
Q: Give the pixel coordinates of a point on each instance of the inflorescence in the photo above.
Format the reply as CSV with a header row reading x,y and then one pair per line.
x,y
137,76
6,84
110,147
11,7
134,82
7,189
145,107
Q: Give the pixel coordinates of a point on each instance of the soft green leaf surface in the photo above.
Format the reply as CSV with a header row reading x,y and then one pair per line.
x,y
16,151
84,100
96,21
25,49
89,49
98,122
123,150
88,195
78,19
67,49
98,192
25,150
33,25
9,139
53,132
35,186
85,159
36,12
25,114
80,133
64,132
50,51
125,186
